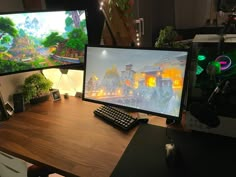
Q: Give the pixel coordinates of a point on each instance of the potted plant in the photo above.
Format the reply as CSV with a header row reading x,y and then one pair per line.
x,y
169,38
36,88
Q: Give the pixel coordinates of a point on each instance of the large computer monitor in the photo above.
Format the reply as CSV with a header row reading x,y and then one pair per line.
x,y
147,80
43,39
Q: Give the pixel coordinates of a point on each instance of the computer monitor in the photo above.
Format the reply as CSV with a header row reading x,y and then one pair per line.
x,y
147,80
43,39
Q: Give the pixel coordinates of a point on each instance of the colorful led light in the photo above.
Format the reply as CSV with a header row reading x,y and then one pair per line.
x,y
224,61
201,57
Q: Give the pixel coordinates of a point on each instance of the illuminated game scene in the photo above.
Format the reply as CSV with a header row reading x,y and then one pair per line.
x,y
36,40
148,80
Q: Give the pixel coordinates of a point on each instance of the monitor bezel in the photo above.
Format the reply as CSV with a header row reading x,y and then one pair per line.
x,y
131,109
73,66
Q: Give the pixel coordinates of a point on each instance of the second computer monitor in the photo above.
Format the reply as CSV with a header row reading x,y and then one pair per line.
x,y
148,80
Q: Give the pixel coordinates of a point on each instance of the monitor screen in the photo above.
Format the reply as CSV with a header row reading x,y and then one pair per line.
x,y
37,40
147,80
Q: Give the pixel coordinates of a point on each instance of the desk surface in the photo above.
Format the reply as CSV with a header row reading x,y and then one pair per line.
x,y
66,136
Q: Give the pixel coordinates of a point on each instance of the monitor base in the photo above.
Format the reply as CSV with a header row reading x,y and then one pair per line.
x,y
171,121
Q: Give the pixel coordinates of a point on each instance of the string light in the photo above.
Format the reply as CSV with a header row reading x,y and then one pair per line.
x,y
137,38
101,5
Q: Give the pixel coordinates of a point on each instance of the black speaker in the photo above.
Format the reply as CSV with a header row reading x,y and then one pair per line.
x,y
18,101
3,113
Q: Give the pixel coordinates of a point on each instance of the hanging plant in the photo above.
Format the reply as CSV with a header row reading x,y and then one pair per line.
x,y
125,6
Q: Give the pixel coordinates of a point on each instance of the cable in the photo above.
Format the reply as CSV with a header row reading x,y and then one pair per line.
x,y
171,140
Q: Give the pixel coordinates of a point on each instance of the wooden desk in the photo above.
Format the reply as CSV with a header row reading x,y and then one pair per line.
x,y
65,135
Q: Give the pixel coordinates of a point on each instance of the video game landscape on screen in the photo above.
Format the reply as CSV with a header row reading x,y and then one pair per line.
x,y
41,39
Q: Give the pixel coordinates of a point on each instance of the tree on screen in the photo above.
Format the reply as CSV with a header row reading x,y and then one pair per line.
x,y
7,27
77,39
52,39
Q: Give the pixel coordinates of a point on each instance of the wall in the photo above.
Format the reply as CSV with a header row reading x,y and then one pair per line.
x,y
156,15
70,83
193,13
10,84
11,5
182,14
164,16
34,4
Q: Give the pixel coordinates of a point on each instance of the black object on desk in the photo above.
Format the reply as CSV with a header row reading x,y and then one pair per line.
x,y
116,117
204,155
18,101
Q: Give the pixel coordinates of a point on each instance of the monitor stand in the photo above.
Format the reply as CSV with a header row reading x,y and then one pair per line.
x,y
142,117
171,121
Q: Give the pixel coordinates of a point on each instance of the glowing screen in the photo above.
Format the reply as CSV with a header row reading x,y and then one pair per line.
x,y
146,80
36,40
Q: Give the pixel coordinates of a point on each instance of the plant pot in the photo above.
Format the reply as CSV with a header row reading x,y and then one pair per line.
x,y
40,99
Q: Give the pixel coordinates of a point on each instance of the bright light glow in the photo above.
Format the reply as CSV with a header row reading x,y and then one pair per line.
x,y
224,61
138,43
104,52
70,83
199,70
151,81
101,5
201,57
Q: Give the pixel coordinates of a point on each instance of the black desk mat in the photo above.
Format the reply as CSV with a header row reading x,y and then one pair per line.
x,y
204,155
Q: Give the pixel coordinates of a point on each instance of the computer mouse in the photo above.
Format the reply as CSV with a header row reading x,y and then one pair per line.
x,y
173,156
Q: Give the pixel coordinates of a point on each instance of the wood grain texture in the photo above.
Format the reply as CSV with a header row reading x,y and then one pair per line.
x,y
65,136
